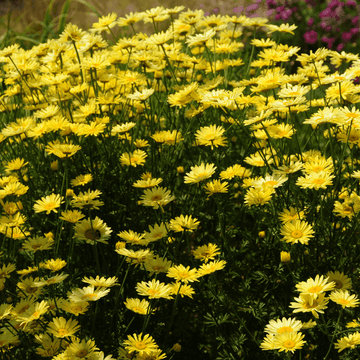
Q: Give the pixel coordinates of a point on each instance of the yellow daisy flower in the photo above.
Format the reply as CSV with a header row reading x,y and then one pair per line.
x,y
343,298
296,231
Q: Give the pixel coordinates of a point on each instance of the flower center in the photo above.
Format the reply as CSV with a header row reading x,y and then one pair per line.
x,y
296,234
184,275
62,332
289,344
36,314
285,329
315,289
140,345
153,292
81,353
156,197
31,289
92,234
318,181
344,301
88,296
338,284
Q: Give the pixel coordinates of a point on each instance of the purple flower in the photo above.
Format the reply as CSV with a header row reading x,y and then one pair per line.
x,y
339,47
238,9
286,14
325,13
334,3
280,8
354,31
346,36
278,16
252,7
215,10
350,3
271,3
311,37
310,21
355,20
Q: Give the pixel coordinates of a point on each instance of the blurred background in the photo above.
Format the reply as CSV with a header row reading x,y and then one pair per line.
x,y
26,14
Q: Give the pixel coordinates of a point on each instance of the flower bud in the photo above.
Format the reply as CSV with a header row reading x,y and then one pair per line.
x,y
285,257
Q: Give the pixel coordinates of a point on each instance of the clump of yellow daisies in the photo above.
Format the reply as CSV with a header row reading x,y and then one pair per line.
x,y
285,334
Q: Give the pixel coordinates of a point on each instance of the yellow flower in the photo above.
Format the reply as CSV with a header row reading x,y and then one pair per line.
x,y
53,265
101,282
307,303
289,341
343,298
62,150
206,252
211,136
199,173
61,328
296,231
105,23
291,214
258,196
156,197
348,342
342,282
88,293
139,344
48,203
182,273
283,326
315,287
138,306
184,223
92,231
133,159
285,257
315,180
283,28
210,267
215,187
38,243
154,289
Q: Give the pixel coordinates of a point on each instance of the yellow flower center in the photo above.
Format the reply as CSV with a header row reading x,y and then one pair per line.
x,y
296,234
317,168
183,275
138,310
352,115
294,93
318,181
134,159
50,206
158,235
270,182
285,329
289,344
88,296
81,353
62,332
153,292
31,289
157,268
348,210
315,289
36,314
140,345
344,301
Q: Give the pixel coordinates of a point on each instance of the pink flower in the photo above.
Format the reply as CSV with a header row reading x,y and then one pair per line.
x,y
311,37
339,47
346,36
310,21
350,3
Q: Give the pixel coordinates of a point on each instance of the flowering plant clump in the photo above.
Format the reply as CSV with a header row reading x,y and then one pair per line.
x,y
332,24
183,194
